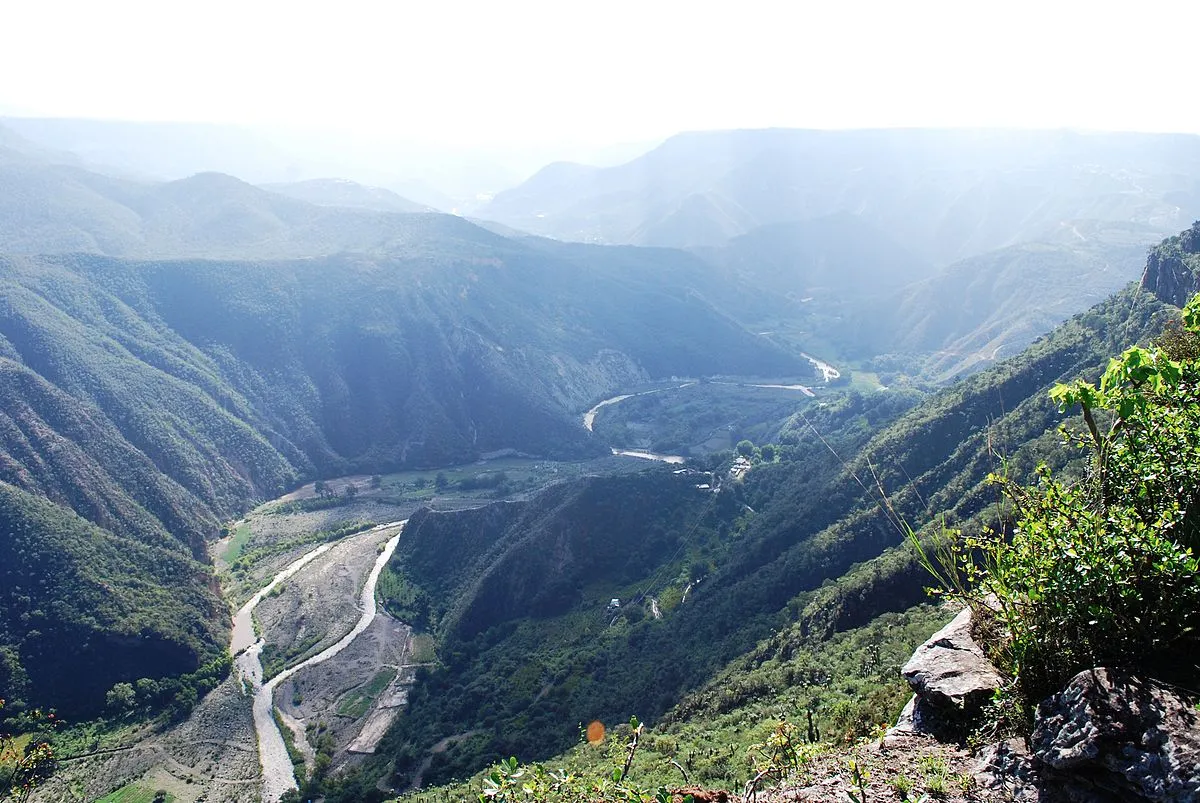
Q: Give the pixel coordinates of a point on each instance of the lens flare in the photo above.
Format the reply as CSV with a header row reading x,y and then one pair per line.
x,y
595,732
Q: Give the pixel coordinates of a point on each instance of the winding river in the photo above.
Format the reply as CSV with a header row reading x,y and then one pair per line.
x,y
278,774
589,418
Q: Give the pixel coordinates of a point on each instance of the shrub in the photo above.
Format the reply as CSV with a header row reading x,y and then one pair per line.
x,y
1103,570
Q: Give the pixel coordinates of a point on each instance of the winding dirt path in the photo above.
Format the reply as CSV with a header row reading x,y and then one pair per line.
x,y
278,774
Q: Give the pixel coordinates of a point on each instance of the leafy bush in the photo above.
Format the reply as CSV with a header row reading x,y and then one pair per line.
x,y
1103,570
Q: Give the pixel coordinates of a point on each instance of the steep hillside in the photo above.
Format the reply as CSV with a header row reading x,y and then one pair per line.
x,y
839,256
946,194
73,595
456,348
522,663
157,399
847,291
1173,267
989,307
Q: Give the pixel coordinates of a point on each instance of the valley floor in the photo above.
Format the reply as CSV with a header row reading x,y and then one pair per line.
x,y
301,596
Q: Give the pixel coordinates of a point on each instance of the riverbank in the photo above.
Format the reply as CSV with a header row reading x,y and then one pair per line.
x,y
277,770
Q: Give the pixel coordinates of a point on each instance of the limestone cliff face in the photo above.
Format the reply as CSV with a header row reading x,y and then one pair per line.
x,y
1171,268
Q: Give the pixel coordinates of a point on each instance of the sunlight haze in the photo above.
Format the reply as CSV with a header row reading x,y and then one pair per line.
x,y
531,72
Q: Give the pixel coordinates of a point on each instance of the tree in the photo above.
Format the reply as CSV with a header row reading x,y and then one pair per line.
x,y
745,448
440,482
121,698
350,491
320,488
377,482
147,690
768,452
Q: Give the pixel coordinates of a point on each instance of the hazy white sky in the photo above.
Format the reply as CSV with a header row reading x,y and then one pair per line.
x,y
507,71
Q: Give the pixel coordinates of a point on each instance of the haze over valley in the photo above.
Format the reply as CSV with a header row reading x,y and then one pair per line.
x,y
372,422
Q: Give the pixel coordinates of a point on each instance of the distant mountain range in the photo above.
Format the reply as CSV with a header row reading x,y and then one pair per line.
x,y
946,195
442,176
57,208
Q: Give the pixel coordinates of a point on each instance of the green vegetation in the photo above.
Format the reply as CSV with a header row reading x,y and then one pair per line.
x,y
764,716
357,702
283,546
236,544
1102,569
133,793
299,768
159,399
804,545
25,759
107,592
699,419
424,648
276,659
144,403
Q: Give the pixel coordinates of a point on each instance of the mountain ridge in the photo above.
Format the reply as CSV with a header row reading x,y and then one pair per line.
x,y
978,189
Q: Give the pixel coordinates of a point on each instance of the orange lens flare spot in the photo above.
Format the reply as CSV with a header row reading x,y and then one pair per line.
x,y
595,732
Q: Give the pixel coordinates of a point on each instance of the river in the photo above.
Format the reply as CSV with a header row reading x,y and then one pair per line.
x,y
589,418
828,372
644,455
278,774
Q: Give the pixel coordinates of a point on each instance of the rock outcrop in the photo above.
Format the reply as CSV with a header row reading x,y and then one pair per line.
x,y
1135,736
1109,736
951,679
1171,268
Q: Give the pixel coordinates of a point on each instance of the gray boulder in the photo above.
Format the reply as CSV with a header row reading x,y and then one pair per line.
x,y
949,672
1126,733
916,720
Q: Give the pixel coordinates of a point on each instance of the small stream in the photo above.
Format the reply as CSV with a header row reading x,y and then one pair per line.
x,y
277,770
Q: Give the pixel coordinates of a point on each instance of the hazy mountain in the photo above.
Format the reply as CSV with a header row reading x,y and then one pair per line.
x,y
344,192
945,194
15,148
446,177
992,306
53,208
848,290
838,256
158,151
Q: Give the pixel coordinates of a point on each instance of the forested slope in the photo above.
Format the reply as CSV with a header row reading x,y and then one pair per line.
x,y
812,541
157,399
75,596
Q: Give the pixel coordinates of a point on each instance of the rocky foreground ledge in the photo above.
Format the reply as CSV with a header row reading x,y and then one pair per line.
x,y
1108,736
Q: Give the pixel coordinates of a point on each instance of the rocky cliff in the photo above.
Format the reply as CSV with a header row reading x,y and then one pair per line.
x,y
1172,266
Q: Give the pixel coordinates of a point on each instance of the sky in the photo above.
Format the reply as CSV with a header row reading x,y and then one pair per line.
x,y
516,72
